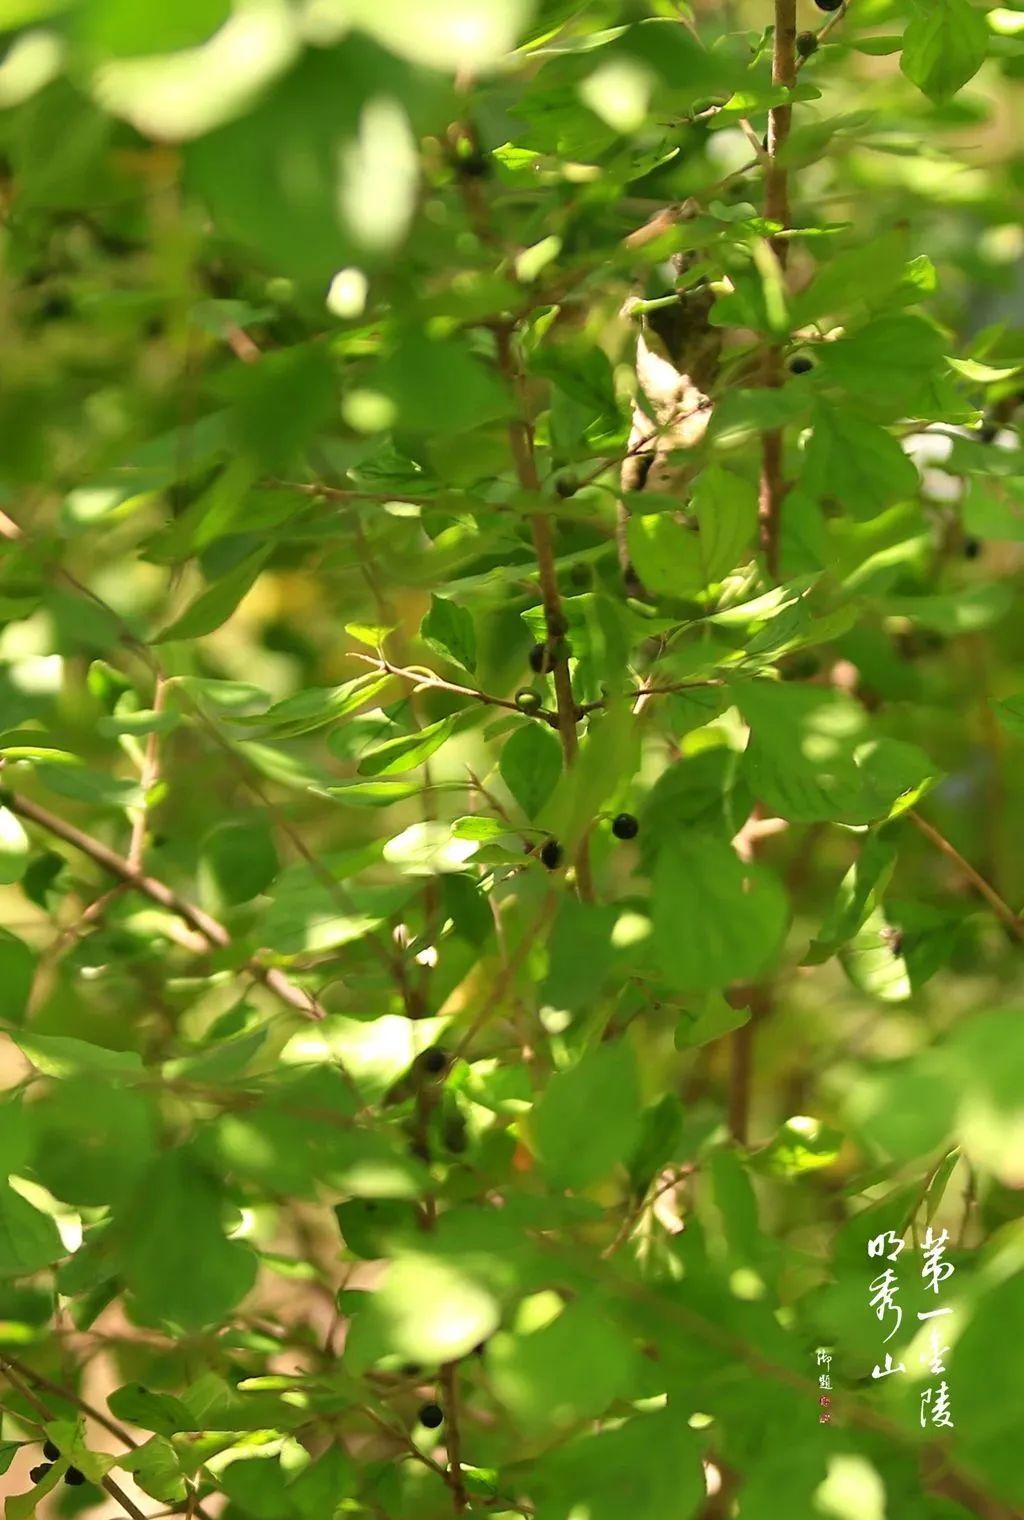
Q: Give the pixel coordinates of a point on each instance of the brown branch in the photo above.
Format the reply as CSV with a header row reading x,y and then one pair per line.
x,y
776,209
1000,907
211,930
741,1052
115,1491
39,1381
495,995
521,443
453,1437
425,677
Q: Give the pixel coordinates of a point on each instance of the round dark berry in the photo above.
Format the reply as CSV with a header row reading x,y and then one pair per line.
x,y
625,826
539,659
566,484
527,700
474,165
74,1477
37,1474
828,5
433,1059
800,364
431,1415
972,548
582,575
989,430
411,1369
806,44
50,1452
551,854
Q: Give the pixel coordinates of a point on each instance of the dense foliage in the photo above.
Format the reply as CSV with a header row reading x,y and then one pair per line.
x,y
511,531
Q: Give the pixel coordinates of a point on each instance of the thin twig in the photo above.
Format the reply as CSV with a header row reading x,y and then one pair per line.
x,y
776,209
114,1489
422,676
521,444
48,1386
211,930
1000,907
453,1436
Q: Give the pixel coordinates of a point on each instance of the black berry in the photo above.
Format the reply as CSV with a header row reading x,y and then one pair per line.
x,y
972,548
988,430
566,484
527,700
431,1415
551,854
539,659
433,1059
800,364
50,1452
37,1474
625,826
828,5
806,44
74,1477
474,165
581,574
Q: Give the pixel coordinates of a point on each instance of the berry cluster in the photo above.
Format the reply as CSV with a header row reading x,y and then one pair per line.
x,y
74,1477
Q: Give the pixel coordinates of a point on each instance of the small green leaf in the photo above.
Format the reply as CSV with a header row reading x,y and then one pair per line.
x,y
588,1118
448,629
717,920
238,861
944,46
215,605
407,751
28,1239
14,848
530,765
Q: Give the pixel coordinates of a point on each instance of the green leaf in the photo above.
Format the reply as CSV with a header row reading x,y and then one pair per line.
x,y
427,1310
402,754
569,1370
323,1485
174,1221
58,1055
28,1239
581,953
588,1118
856,463
1010,713
17,971
215,605
439,386
14,848
716,919
944,46
121,30
530,765
648,1467
448,629
238,861
317,706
